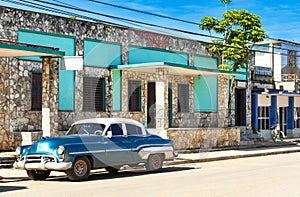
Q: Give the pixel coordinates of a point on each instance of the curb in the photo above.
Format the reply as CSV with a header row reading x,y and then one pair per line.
x,y
202,160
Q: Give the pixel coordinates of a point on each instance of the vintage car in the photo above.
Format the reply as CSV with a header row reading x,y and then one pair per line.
x,y
108,143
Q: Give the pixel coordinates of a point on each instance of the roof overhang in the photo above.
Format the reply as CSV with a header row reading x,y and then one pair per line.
x,y
175,69
283,93
16,49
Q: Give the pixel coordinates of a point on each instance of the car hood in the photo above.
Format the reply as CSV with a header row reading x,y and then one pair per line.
x,y
47,145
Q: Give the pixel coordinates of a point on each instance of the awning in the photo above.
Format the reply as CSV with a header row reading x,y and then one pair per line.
x,y
16,49
175,69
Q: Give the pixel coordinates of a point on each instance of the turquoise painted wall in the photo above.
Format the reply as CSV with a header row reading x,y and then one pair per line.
x,y
242,77
206,87
137,55
102,54
66,77
117,90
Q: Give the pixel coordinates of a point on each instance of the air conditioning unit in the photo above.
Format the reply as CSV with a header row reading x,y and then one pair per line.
x,y
72,63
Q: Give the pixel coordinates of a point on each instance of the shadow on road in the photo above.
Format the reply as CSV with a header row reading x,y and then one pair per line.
x,y
11,188
103,175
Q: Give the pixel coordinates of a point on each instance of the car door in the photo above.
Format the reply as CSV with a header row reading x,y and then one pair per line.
x,y
137,139
119,147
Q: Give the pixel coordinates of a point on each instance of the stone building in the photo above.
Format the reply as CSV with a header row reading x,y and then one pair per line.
x,y
170,84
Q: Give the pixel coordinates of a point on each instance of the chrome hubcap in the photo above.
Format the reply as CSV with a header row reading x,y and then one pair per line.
x,y
80,168
155,162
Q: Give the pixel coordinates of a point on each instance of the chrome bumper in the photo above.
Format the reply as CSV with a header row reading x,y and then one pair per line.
x,y
167,151
43,166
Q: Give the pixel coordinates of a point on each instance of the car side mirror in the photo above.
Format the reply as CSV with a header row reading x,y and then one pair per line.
x,y
109,134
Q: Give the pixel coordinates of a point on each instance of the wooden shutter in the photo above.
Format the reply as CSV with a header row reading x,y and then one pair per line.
x,y
36,91
183,98
93,94
134,93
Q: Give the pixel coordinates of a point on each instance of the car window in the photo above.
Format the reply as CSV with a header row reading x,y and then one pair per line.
x,y
87,129
133,129
116,129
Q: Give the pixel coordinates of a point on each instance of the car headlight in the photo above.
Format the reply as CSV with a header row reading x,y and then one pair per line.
x,y
18,151
60,150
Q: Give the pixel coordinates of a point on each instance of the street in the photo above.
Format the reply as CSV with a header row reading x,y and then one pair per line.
x,y
274,175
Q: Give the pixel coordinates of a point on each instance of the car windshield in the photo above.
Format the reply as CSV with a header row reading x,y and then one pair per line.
x,y
87,129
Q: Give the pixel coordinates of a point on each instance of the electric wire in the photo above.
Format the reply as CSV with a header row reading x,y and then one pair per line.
x,y
55,10
144,12
162,16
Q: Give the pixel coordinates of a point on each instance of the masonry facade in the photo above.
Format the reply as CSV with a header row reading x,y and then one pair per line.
x,y
126,73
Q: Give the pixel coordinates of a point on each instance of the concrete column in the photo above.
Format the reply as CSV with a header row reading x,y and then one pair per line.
x,y
50,96
160,104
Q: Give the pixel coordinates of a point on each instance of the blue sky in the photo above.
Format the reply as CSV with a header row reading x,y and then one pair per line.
x,y
280,19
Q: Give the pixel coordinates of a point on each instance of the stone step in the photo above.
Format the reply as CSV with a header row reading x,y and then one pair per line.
x,y
7,162
6,165
247,143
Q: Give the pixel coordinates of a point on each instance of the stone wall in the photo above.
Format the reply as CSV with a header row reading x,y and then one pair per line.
x,y
15,79
204,138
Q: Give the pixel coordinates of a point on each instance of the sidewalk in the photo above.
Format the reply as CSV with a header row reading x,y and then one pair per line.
x,y
258,149
184,158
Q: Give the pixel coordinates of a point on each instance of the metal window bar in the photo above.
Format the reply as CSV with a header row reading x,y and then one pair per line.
x,y
93,89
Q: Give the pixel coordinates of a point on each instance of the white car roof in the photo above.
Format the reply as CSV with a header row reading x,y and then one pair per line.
x,y
109,121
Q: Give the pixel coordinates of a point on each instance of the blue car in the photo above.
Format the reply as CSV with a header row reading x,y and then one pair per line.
x,y
108,143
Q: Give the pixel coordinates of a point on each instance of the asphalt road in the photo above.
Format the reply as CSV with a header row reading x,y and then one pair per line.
x,y
274,175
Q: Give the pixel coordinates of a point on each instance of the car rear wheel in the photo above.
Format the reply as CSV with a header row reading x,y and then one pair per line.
x,y
154,162
38,175
80,170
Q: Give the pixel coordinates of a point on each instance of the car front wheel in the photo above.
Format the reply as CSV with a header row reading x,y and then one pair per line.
x,y
38,175
154,162
80,170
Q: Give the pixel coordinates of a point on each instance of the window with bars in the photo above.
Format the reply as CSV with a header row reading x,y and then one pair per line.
x,y
297,117
282,118
264,118
183,98
93,94
36,91
134,95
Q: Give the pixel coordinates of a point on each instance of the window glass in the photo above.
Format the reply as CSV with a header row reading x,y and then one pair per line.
x,y
116,129
93,94
264,118
86,129
133,129
297,117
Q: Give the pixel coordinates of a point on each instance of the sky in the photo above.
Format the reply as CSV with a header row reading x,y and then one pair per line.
x,y
280,19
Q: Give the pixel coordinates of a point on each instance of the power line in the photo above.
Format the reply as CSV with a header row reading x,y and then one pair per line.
x,y
50,9
144,12
55,10
149,13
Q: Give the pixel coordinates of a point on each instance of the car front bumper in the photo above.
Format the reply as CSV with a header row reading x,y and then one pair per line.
x,y
43,166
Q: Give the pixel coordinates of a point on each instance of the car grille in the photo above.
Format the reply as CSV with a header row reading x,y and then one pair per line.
x,y
39,158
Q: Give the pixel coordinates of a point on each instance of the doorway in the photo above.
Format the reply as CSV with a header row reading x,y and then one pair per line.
x,y
282,118
151,105
240,107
